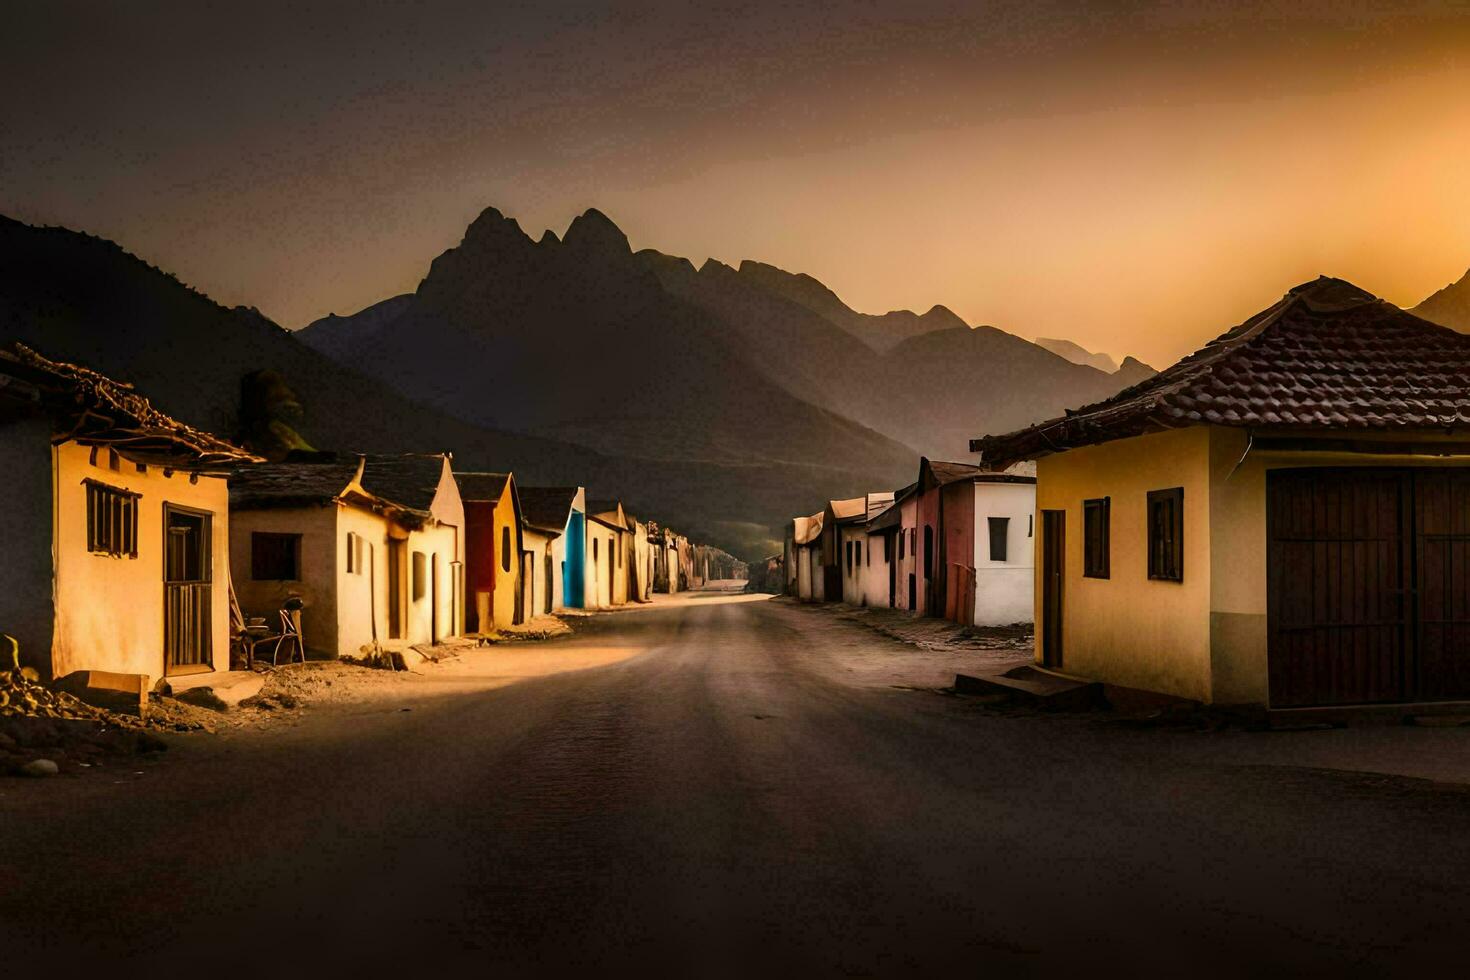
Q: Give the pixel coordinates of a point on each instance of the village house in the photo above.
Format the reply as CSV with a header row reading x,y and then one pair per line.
x,y
975,533
116,527
642,561
1281,518
499,570
856,556
557,516
542,587
371,546
885,574
608,539
810,583
837,515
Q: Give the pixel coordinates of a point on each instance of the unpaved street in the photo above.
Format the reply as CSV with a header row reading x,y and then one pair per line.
x,y
727,786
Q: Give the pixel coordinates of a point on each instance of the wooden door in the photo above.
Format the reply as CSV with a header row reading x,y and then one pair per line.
x,y
1053,578
397,596
187,590
1441,585
1339,591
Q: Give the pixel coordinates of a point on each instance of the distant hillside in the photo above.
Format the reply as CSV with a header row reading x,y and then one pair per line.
x,y
1449,307
577,339
84,299
1078,354
933,390
879,331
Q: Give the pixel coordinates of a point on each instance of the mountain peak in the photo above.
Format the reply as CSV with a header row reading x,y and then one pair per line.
x,y
1450,306
593,231
492,226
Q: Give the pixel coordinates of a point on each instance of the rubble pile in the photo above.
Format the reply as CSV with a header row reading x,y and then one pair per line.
x,y
45,732
22,693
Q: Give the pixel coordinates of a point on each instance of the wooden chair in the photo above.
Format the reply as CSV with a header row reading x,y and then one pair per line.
x,y
290,635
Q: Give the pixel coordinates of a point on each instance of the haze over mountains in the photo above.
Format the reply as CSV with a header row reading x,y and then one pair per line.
x,y
750,361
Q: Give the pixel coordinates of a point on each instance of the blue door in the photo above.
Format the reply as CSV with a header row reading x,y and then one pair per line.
x,y
572,573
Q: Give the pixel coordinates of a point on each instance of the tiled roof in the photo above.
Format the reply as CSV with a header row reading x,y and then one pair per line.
x,y
96,410
296,484
481,486
1327,357
407,480
547,507
939,473
405,484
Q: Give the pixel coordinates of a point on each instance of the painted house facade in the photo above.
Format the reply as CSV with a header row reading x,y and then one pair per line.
x,y
856,554
810,582
885,580
499,570
1281,518
974,527
561,514
610,538
542,585
116,527
373,545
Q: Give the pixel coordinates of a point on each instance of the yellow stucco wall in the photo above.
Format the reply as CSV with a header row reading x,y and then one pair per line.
x,y
110,611
317,581
1128,629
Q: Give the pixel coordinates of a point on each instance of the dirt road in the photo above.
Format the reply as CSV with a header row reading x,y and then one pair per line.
x,y
730,787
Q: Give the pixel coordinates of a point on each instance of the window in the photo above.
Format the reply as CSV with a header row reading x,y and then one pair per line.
x,y
620,557
420,577
1030,525
1097,537
902,537
275,557
869,557
355,550
112,520
928,552
594,549
847,554
1000,527
505,549
1166,534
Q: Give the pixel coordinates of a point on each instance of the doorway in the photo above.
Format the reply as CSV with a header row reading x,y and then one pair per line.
x,y
1053,575
187,591
1368,585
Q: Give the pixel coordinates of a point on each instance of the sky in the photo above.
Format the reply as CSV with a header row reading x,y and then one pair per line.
x,y
1135,178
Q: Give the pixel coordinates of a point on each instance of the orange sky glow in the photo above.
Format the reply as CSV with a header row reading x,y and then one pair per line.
x,y
1134,181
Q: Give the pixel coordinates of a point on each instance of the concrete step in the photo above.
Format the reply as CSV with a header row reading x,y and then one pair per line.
x,y
226,687
1035,687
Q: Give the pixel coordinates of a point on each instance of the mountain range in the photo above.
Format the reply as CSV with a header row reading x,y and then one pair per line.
x,y
720,400
755,362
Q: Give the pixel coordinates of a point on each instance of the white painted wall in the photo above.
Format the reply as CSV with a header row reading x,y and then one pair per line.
x,y
875,571
1005,590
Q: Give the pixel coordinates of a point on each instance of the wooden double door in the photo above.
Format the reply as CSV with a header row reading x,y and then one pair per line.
x,y
1368,579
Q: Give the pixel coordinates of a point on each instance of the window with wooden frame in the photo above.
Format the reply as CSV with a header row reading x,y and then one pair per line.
x,y
1166,534
1000,529
1097,537
112,520
275,557
902,537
